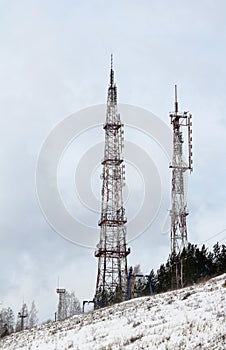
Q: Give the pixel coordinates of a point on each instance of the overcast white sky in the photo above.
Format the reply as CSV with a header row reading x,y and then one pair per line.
x,y
54,61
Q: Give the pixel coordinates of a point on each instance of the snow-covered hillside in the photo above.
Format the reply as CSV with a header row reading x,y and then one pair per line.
x,y
191,318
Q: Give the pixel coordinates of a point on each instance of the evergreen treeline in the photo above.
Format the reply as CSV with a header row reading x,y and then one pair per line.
x,y
184,269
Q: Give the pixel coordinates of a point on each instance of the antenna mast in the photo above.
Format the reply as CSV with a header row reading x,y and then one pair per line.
x,y
179,211
112,251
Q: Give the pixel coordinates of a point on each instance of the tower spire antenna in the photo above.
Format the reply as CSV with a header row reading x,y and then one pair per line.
x,y
112,61
176,102
112,89
112,72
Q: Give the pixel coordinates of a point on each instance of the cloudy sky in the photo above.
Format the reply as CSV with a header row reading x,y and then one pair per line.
x,y
54,62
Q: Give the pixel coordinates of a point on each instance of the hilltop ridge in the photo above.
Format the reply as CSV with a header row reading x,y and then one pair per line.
x,y
189,318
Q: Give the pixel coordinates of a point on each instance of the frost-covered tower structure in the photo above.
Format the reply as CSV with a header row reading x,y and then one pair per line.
x,y
179,210
112,248
61,313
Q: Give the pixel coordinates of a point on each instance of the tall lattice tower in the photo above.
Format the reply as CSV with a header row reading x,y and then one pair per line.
x,y
112,249
179,166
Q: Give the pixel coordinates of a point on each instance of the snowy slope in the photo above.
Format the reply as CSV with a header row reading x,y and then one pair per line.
x,y
191,318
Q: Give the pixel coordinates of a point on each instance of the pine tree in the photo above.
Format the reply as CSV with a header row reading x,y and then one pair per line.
x,y
222,259
216,258
189,256
163,279
153,281
203,267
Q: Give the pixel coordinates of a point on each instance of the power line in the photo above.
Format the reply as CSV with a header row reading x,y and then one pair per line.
x,y
222,239
215,235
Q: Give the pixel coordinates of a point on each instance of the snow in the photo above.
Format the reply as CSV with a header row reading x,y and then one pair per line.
x,y
189,318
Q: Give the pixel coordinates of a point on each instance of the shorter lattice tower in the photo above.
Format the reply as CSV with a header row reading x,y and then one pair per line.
x,y
61,304
179,167
112,249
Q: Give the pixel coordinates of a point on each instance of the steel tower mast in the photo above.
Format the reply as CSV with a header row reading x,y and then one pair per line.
x,y
179,211
112,250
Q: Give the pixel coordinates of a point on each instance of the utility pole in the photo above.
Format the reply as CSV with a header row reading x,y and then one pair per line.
x,y
22,316
112,249
179,212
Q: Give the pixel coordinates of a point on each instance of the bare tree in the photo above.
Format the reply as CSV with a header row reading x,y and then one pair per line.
x,y
32,316
136,271
72,304
7,321
69,305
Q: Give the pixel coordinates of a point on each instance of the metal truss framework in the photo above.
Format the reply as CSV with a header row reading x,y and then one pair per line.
x,y
179,210
112,248
61,304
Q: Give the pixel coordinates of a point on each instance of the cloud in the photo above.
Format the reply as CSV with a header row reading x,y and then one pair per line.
x,y
54,61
